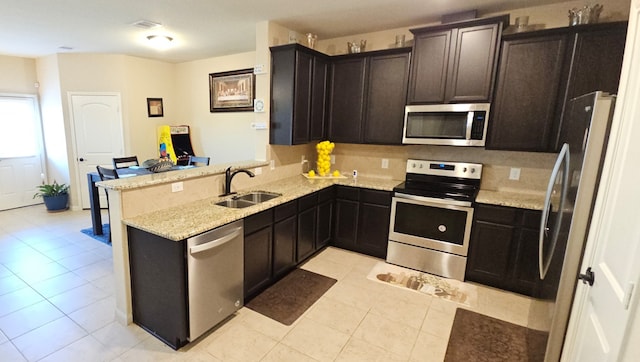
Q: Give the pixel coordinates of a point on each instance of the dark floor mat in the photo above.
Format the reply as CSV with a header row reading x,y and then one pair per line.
x,y
291,296
476,337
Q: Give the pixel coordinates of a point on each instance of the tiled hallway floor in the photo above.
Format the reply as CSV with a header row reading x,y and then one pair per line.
x,y
57,304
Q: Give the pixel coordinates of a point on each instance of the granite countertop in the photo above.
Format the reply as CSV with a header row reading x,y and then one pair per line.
x,y
187,220
521,199
128,183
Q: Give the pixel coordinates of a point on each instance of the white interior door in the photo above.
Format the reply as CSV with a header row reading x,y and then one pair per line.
x,y
21,151
601,313
98,136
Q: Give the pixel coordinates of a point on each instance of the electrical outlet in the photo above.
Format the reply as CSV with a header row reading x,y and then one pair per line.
x,y
177,186
385,163
272,165
333,159
257,171
514,174
303,158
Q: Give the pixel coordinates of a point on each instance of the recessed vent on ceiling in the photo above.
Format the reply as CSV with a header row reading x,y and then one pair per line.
x,y
146,24
64,47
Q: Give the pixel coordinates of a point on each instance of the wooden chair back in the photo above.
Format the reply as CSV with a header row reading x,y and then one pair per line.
x,y
124,162
204,161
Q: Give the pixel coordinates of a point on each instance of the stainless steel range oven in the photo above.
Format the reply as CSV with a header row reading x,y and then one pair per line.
x,y
431,217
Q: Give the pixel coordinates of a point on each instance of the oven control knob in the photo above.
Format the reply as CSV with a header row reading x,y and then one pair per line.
x,y
442,228
473,170
464,169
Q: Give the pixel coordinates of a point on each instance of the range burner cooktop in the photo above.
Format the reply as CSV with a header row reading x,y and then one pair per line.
x,y
442,180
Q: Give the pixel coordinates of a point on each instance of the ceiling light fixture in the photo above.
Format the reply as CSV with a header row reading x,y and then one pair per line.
x,y
160,41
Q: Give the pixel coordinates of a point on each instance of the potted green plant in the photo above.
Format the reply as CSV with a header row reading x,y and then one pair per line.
x,y
55,196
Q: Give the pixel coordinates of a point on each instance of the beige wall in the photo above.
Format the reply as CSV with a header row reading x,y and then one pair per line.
x,y
223,136
17,75
144,78
53,124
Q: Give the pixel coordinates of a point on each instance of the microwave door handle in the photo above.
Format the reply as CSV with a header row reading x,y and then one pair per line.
x,y
469,125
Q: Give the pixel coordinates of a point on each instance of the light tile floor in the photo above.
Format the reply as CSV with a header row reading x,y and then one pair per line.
x,y
57,304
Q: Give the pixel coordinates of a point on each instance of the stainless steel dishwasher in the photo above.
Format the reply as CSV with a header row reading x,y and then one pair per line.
x,y
215,262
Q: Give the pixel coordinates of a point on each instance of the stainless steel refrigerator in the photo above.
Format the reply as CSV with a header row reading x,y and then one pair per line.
x,y
567,214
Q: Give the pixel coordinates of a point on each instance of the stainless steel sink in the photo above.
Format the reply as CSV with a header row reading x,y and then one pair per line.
x,y
235,204
257,196
248,199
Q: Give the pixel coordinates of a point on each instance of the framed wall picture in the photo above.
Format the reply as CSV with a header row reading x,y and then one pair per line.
x,y
154,107
232,91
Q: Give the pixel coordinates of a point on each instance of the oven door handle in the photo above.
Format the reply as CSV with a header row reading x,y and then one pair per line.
x,y
432,200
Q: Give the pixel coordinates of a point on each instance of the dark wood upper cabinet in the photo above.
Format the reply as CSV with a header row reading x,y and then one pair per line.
x,y
298,94
347,99
386,97
454,63
429,68
541,71
529,84
319,91
596,65
368,93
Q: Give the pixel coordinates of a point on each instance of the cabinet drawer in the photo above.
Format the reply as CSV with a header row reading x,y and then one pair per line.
x,y
531,219
495,214
326,194
258,221
285,210
375,197
308,201
347,193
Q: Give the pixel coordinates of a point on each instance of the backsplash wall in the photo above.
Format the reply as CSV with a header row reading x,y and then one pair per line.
x,y
367,159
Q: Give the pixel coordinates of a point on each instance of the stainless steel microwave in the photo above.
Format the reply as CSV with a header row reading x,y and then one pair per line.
x,y
446,124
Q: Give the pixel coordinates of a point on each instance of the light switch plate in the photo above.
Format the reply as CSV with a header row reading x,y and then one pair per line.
x,y
514,174
385,163
258,69
177,186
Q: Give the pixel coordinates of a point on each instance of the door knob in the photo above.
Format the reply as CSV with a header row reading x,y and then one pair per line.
x,y
587,277
81,159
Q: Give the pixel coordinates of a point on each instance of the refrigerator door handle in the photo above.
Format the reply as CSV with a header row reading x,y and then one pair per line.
x,y
543,265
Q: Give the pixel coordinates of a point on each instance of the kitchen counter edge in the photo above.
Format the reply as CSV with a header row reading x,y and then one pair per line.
x,y
184,221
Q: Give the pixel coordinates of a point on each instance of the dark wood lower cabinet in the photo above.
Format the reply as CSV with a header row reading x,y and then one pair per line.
x,y
503,251
158,286
278,239
361,221
284,239
307,215
258,260
325,217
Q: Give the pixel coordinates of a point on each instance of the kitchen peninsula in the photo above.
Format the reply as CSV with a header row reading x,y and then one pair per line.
x,y
147,203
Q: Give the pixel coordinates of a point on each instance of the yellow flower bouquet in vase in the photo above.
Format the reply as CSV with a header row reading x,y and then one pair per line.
x,y
323,162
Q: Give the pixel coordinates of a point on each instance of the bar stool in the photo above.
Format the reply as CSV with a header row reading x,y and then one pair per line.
x,y
107,174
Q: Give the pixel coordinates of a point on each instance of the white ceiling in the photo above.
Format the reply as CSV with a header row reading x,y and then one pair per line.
x,y
206,28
